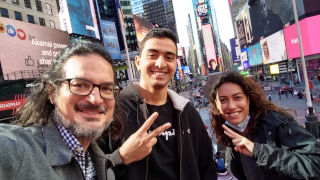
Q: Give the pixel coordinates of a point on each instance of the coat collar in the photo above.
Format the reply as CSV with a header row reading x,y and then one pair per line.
x,y
58,153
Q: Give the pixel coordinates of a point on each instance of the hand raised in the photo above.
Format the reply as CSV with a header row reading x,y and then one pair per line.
x,y
140,144
242,144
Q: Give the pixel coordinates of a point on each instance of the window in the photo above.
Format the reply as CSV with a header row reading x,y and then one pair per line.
x,y
48,7
15,1
4,12
52,24
42,22
18,15
30,19
27,3
39,6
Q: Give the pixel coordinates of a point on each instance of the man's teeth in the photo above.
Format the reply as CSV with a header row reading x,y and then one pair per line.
x,y
159,73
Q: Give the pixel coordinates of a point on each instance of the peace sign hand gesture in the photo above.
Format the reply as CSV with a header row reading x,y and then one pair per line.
x,y
140,144
241,144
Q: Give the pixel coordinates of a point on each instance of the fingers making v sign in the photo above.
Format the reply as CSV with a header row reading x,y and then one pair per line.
x,y
140,144
241,144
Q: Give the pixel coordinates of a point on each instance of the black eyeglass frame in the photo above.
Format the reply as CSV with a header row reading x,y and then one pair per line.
x,y
115,88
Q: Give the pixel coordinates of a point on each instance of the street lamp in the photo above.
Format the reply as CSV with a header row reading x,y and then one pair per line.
x,y
312,124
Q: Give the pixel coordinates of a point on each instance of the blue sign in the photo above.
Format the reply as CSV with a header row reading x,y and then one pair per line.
x,y
255,54
110,38
81,17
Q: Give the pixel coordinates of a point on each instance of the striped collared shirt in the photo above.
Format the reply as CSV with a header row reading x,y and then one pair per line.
x,y
81,156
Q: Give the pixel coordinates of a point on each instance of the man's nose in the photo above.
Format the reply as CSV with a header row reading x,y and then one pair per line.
x,y
94,96
160,62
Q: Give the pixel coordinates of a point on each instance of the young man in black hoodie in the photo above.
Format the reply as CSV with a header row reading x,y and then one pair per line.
x,y
184,151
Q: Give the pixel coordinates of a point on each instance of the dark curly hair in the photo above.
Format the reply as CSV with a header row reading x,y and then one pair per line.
x,y
38,109
259,104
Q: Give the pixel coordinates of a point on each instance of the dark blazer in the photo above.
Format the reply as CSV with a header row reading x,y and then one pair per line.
x,y
39,152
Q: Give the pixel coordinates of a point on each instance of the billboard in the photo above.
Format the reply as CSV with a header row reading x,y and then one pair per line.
x,y
110,38
12,96
268,17
142,27
27,50
273,48
235,50
274,69
244,30
255,54
244,59
309,29
311,6
78,16
212,61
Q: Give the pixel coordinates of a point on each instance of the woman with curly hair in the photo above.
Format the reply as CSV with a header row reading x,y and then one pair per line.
x,y
263,140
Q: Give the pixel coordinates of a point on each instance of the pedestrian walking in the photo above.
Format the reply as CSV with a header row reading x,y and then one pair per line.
x,y
269,97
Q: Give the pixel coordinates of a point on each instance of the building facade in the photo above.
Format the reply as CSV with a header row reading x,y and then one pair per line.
x,y
41,12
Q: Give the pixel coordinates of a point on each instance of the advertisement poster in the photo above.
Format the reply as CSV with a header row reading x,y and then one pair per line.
x,y
78,16
27,50
309,29
212,60
244,59
142,27
244,29
110,38
273,48
268,17
255,54
11,98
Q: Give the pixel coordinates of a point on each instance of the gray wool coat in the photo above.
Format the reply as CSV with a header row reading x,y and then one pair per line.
x,y
39,152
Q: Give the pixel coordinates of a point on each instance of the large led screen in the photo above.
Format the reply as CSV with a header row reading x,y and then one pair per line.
x,y
110,38
244,30
255,54
235,52
269,16
212,60
27,50
78,16
311,6
142,27
273,48
309,29
11,98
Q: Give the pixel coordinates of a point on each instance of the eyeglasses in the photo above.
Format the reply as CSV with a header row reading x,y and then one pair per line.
x,y
84,87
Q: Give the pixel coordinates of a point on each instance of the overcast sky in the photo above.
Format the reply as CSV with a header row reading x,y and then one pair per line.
x,y
183,7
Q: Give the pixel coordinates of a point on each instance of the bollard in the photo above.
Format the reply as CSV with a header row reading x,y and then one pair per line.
x,y
312,124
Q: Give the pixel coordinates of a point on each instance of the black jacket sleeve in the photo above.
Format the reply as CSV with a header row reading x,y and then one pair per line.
x,y
298,157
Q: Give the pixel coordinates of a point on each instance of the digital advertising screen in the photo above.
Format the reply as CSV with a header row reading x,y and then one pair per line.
x,y
78,16
255,54
110,38
244,29
244,59
274,69
27,50
212,60
142,27
11,98
309,30
273,48
311,6
268,17
235,50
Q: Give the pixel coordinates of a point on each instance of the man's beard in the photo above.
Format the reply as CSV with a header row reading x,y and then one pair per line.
x,y
78,129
